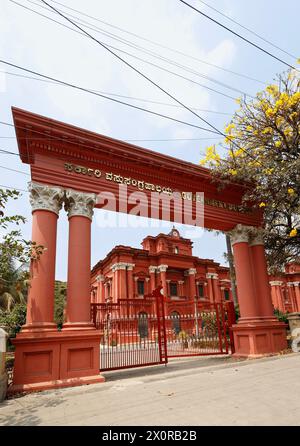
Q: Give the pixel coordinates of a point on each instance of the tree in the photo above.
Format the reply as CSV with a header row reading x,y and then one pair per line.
x,y
263,144
13,249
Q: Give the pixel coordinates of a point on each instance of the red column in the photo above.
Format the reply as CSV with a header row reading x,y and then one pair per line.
x,y
274,284
292,295
297,293
46,202
261,277
152,271
80,210
130,281
210,289
192,282
244,277
163,277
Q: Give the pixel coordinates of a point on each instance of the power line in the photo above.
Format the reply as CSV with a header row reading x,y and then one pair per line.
x,y
136,70
105,97
49,137
134,140
119,95
151,63
14,170
13,188
156,43
146,77
236,34
248,29
132,45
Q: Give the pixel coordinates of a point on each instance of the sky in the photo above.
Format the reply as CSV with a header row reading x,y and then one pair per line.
x,y
164,27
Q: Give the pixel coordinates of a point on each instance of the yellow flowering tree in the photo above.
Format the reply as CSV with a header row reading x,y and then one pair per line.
x,y
262,146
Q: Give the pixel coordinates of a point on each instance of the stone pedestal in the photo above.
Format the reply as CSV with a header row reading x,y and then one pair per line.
x,y
258,332
56,359
259,338
294,324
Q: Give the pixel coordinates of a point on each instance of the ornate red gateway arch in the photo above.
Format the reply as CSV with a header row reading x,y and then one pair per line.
x,y
71,166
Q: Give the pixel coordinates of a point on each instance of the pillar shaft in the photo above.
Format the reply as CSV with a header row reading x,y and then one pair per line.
x,y
79,267
130,283
261,280
80,210
244,280
40,306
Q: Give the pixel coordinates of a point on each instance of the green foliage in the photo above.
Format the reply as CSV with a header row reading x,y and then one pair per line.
x,y
282,317
13,320
60,302
12,245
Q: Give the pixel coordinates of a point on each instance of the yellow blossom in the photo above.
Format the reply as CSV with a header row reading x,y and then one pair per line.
x,y
291,191
267,130
233,171
262,204
249,128
229,138
270,112
229,128
278,144
238,100
293,232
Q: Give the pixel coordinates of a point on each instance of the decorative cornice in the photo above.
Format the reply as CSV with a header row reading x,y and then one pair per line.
x,y
100,278
45,198
162,268
80,203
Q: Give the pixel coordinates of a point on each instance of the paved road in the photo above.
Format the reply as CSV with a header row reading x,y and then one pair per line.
x,y
197,391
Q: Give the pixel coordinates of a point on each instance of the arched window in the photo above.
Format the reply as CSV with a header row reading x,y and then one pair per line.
x,y
143,324
176,250
175,318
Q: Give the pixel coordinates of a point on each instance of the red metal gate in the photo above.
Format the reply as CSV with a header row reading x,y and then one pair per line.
x,y
132,333
136,332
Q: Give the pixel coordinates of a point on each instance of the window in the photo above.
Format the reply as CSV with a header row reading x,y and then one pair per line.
x,y
143,324
226,294
201,290
176,250
175,318
141,287
173,289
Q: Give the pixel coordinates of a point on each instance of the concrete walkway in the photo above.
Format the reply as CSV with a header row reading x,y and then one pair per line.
x,y
196,391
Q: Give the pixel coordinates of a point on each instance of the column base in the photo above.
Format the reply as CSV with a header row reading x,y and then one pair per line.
x,y
78,326
258,339
49,360
39,327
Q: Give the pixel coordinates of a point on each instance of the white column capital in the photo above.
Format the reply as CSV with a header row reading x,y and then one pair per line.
x,y
44,197
100,278
80,203
122,265
275,283
212,276
162,268
180,282
152,269
256,236
240,234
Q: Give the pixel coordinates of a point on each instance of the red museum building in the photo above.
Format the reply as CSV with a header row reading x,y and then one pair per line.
x,y
165,259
